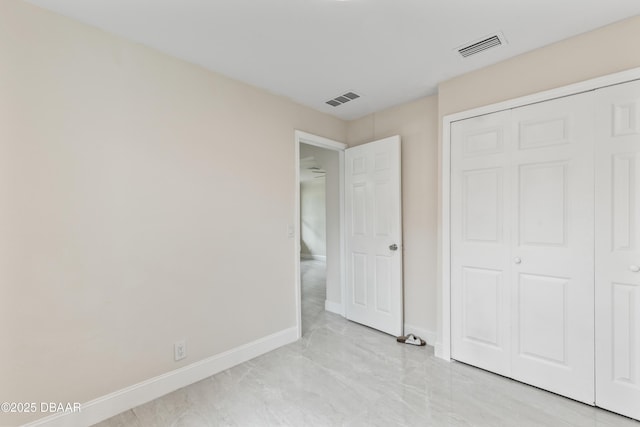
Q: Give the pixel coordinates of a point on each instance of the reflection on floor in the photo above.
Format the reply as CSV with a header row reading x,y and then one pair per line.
x,y
344,374
314,292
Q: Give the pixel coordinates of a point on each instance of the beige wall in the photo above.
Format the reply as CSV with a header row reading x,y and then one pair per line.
x,y
417,125
603,51
131,207
600,52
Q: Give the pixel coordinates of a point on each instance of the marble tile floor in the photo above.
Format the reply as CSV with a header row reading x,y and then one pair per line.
x,y
344,374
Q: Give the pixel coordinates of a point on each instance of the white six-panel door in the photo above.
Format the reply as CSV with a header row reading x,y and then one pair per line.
x,y
522,244
618,249
552,305
480,242
374,235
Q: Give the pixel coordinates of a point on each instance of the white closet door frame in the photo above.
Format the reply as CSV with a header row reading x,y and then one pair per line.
x,y
443,344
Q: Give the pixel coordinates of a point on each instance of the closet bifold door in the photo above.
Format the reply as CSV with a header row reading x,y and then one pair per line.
x,y
552,274
480,265
618,249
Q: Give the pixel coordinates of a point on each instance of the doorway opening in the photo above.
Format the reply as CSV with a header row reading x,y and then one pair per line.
x,y
319,219
317,214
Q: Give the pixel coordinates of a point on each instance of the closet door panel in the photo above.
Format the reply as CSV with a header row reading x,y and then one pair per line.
x,y
480,240
618,249
552,246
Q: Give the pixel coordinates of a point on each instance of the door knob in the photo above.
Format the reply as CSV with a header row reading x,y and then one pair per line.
x,y
393,247
634,268
517,260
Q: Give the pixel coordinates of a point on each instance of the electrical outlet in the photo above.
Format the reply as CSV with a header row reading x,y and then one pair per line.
x,y
180,350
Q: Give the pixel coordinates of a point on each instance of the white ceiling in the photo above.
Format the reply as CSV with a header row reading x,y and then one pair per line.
x,y
389,51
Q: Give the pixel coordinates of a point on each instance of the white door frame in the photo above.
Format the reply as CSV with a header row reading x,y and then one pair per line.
x,y
339,147
443,345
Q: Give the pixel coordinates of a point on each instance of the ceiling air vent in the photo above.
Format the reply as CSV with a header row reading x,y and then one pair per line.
x,y
481,45
343,99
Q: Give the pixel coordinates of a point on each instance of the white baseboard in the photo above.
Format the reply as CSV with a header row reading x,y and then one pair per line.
x,y
437,351
122,400
334,307
428,336
316,257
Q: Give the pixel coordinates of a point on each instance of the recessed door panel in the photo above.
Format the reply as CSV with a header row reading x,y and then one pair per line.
x,y
543,204
482,302
359,279
358,165
482,205
626,118
483,142
542,310
542,133
622,188
625,320
359,210
382,219
383,281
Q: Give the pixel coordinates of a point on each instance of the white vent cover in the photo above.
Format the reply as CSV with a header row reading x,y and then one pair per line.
x,y
342,99
481,45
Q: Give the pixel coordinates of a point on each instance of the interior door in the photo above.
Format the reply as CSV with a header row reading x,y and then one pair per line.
x,y
373,212
618,249
552,246
480,239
